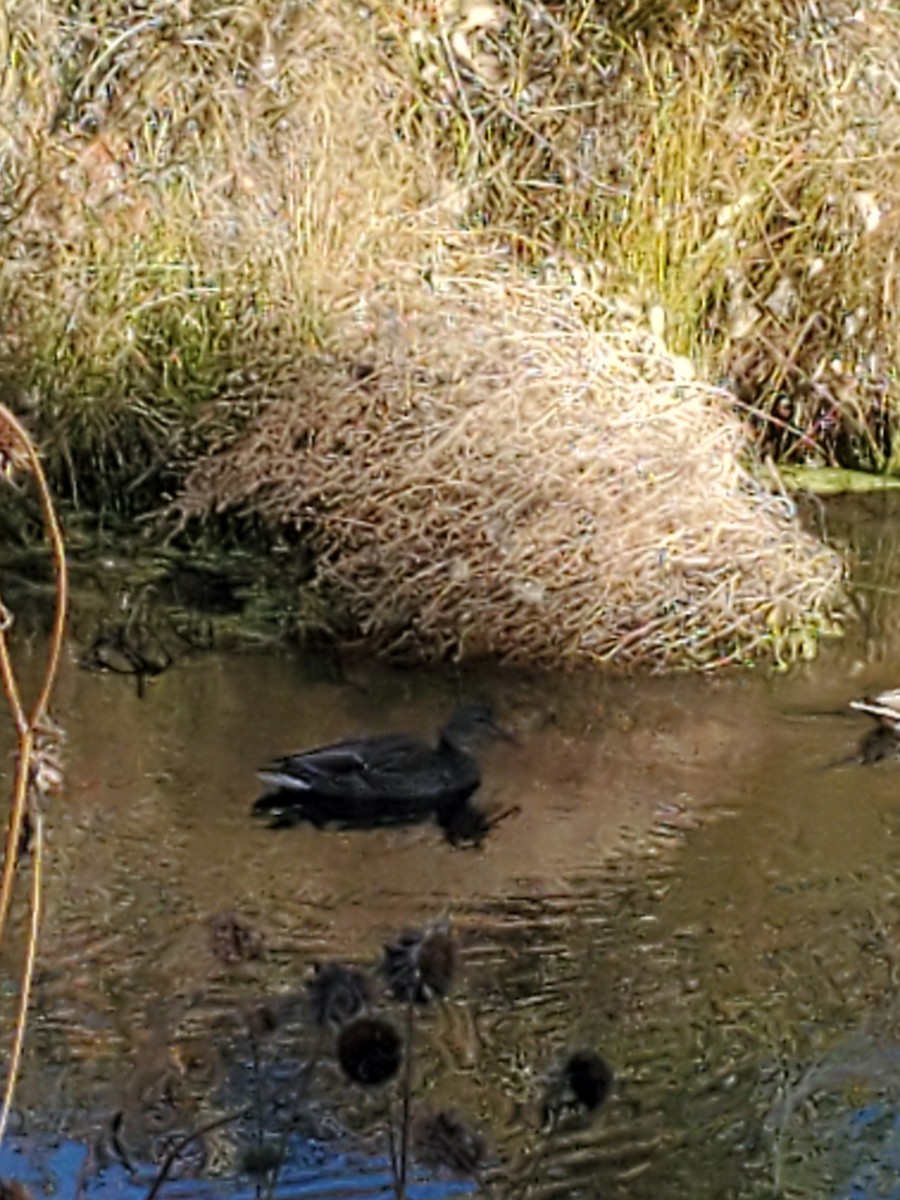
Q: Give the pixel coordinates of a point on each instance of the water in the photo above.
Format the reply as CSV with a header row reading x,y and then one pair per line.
x,y
686,887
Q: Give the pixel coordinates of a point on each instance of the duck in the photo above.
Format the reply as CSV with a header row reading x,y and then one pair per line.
x,y
884,740
386,779
885,708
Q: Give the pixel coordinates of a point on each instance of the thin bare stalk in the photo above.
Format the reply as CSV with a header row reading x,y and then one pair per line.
x,y
27,973
184,1142
405,1100
19,451
27,725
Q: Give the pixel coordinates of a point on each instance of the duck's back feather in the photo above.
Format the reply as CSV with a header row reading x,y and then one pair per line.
x,y
379,779
342,759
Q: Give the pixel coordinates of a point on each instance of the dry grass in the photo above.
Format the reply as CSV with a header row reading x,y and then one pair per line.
x,y
484,475
188,189
735,166
209,211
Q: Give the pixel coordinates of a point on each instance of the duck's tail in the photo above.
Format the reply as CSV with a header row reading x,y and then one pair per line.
x,y
278,781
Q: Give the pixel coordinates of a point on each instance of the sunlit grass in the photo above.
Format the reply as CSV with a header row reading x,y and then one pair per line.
x,y
731,167
209,210
188,194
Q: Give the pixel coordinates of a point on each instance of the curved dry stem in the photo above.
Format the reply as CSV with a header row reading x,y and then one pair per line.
x,y
406,1099
8,676
182,1144
57,546
27,973
26,726
19,451
16,816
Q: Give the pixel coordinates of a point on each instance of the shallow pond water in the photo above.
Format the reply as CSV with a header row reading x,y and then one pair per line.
x,y
687,886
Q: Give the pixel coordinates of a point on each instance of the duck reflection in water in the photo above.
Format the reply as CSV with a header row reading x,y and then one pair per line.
x,y
884,740
389,779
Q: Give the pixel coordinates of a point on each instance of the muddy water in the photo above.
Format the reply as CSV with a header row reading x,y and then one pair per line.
x,y
685,887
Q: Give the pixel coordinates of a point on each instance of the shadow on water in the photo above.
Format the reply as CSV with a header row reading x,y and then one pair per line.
x,y
683,888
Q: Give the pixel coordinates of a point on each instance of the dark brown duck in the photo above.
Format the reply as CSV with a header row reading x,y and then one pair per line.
x,y
381,780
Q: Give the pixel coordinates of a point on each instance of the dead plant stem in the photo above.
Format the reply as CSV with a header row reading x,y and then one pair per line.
x,y
406,1098
27,973
27,724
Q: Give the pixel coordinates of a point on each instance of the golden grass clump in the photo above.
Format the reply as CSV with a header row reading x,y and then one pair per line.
x,y
186,189
736,165
483,474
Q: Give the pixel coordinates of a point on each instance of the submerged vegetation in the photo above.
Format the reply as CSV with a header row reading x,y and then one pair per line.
x,y
298,263
346,1072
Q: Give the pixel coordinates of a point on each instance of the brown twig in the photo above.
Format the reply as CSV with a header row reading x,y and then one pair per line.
x,y
19,451
26,726
27,974
182,1144
406,1099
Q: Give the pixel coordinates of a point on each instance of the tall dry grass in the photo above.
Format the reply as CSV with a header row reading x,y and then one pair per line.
x,y
205,205
734,167
482,474
189,190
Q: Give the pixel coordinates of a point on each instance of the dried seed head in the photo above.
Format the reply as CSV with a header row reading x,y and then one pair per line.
x,y
233,941
581,1083
263,1018
369,1050
337,994
420,965
590,1078
443,1139
47,773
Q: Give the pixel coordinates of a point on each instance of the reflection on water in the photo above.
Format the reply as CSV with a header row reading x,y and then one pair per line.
x,y
684,889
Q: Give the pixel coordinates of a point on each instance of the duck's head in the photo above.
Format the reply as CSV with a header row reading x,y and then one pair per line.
x,y
473,723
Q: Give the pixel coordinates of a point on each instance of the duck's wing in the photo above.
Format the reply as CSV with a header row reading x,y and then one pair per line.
x,y
375,779
363,766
